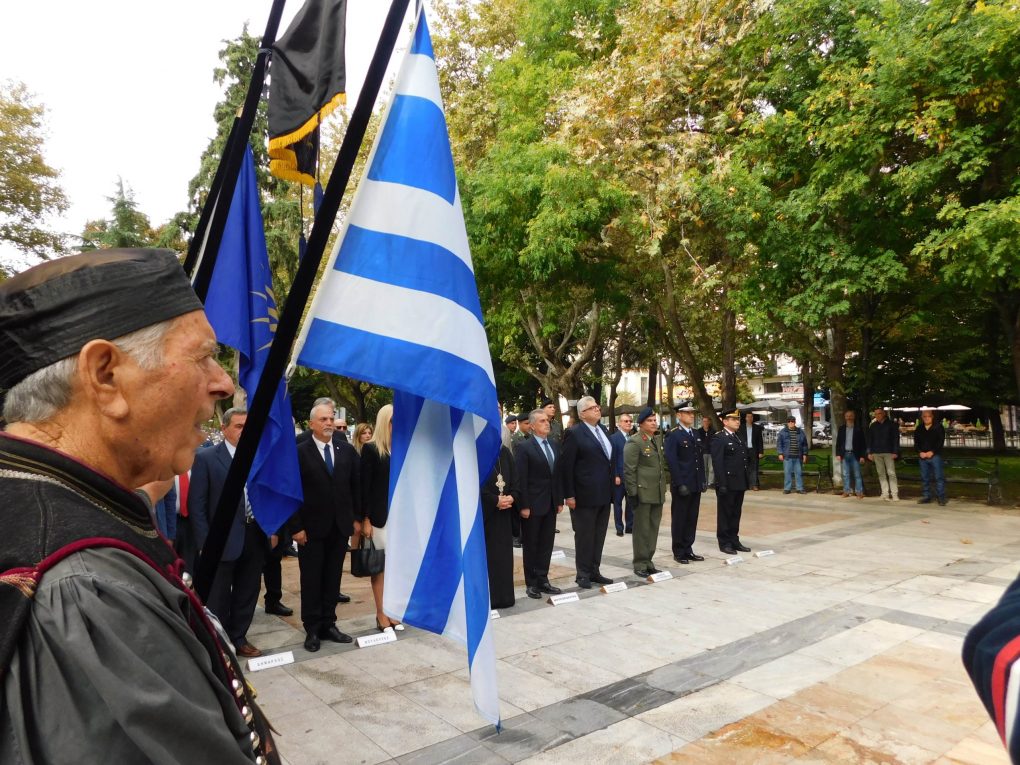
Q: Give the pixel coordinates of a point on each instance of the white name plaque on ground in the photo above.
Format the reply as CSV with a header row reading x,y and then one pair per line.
x,y
567,597
273,660
734,561
494,614
386,636
764,553
557,554
614,587
661,576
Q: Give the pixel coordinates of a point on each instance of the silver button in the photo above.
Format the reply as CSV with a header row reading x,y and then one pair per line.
x,y
238,688
255,741
188,581
260,760
247,714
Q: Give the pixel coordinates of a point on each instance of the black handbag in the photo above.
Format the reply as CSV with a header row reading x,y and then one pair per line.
x,y
366,560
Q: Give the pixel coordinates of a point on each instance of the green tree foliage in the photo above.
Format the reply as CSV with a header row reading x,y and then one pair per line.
x,y
126,226
29,191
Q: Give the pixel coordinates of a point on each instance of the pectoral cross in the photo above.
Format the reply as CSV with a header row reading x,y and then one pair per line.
x,y
500,483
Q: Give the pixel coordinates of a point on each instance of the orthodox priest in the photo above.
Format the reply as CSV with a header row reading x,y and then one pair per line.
x,y
106,655
500,503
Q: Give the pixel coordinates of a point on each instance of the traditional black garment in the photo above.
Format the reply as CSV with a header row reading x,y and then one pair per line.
x,y
105,654
499,549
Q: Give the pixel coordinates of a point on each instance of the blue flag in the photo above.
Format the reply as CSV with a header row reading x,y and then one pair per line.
x,y
242,309
398,306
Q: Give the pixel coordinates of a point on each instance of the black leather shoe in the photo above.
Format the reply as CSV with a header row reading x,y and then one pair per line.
x,y
727,551
629,531
583,582
341,598
642,573
332,633
619,532
534,593
741,547
692,556
312,643
597,578
549,588
681,559
654,570
278,609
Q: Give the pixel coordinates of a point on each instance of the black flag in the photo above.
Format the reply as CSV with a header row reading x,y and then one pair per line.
x,y
307,82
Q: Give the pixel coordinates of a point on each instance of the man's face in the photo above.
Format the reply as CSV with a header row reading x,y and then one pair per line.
x,y
731,423
927,417
849,417
749,418
525,426
512,426
550,411
706,423
591,414
232,430
322,423
880,414
791,424
649,425
540,425
625,423
188,384
686,419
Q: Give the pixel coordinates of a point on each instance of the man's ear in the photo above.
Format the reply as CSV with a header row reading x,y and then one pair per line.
x,y
103,371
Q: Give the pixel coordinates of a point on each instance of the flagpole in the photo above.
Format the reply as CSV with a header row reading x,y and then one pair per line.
x,y
290,318
205,244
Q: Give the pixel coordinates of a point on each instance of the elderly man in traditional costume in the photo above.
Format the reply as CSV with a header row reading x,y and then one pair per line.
x,y
106,654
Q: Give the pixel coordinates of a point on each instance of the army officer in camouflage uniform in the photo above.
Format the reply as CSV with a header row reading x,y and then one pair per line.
x,y
645,475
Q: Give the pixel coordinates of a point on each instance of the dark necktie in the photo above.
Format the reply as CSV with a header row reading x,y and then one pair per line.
x,y
548,453
326,452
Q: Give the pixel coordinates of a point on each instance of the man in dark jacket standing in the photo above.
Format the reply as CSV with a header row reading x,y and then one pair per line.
x,y
323,524
729,459
687,478
929,439
623,518
539,480
884,449
753,436
588,482
851,451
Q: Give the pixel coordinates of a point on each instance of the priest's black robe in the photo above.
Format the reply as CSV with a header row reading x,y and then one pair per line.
x,y
498,530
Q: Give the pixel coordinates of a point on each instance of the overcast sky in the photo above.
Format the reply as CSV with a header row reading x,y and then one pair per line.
x,y
129,91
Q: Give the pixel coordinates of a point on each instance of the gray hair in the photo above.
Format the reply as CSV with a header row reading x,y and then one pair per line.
x,y
321,402
228,415
41,395
533,415
584,402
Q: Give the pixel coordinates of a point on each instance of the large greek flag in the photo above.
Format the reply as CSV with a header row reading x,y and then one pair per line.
x,y
398,306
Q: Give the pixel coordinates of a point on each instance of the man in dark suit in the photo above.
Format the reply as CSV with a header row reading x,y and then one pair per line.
x,y
753,436
685,457
540,485
623,518
705,433
323,523
729,460
588,483
235,588
851,451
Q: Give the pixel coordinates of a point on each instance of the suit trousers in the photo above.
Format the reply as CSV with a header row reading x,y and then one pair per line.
x,y
752,467
729,505
590,525
647,518
684,513
624,519
320,561
537,535
235,588
885,466
185,544
272,573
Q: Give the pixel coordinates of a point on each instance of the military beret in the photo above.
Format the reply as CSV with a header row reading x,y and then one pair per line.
x,y
522,418
50,311
644,414
511,418
547,402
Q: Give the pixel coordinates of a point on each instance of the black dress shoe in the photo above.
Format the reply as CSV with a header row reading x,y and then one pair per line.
x,y
534,593
741,547
727,551
312,642
642,573
341,598
681,559
629,531
332,633
692,556
597,578
654,570
583,582
549,588
278,609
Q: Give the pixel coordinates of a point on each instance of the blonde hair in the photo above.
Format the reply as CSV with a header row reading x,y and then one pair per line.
x,y
382,437
358,430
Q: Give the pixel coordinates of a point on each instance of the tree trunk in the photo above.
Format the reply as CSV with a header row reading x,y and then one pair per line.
x,y
808,400
998,435
653,384
670,370
729,350
617,376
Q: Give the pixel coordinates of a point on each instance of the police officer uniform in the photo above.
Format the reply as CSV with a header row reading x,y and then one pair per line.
x,y
731,466
645,474
685,457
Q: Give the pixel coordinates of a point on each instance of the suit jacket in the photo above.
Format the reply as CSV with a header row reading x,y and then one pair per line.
x,y
375,486
860,445
883,437
587,471
685,457
757,445
329,500
618,440
729,461
207,477
540,488
705,436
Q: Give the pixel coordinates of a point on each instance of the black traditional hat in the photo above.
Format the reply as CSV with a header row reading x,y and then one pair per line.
x,y
49,312
644,414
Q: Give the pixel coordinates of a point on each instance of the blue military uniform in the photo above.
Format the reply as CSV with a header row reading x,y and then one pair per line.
x,y
685,456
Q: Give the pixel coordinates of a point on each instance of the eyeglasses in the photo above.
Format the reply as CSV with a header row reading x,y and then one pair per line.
x,y
593,406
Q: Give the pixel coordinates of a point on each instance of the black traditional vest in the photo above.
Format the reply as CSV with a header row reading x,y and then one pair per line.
x,y
52,506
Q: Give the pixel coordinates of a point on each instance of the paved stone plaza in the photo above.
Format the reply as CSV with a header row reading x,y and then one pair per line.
x,y
843,647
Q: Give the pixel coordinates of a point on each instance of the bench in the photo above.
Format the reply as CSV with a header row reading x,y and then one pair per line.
x,y
959,470
817,467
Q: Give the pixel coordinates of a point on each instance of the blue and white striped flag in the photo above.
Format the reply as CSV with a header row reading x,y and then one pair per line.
x,y
398,306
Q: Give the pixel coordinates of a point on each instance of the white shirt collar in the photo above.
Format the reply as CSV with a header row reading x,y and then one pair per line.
x,y
321,445
230,448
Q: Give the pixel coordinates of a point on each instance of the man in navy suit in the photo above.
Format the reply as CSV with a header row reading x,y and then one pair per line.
x,y
685,456
235,588
331,482
540,485
588,483
624,519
